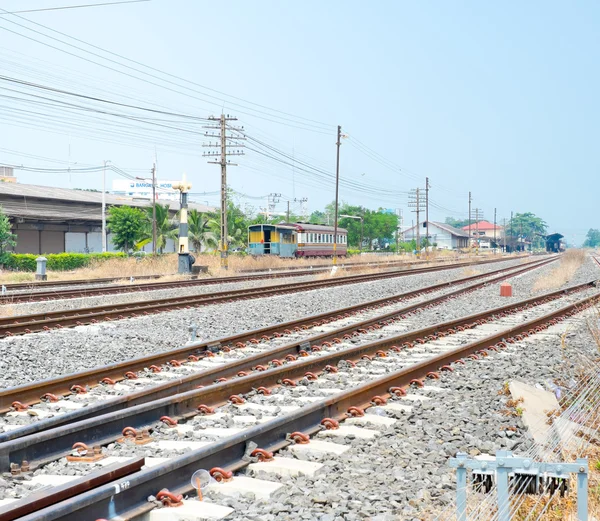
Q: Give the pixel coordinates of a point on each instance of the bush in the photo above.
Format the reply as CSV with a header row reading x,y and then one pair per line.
x,y
56,261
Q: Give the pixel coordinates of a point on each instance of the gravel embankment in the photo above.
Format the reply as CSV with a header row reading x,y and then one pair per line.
x,y
200,289
403,474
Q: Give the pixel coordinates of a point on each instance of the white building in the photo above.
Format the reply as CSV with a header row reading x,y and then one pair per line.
x,y
442,235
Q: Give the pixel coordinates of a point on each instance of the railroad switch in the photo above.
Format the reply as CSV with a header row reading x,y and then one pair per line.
x,y
522,476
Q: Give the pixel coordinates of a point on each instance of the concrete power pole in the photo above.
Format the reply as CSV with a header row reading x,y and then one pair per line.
x,y
225,140
495,243
337,189
470,234
427,216
104,208
415,201
154,238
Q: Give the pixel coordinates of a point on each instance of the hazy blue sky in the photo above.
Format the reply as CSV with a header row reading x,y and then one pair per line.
x,y
497,98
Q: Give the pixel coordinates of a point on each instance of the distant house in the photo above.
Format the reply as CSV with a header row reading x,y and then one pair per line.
x,y
483,231
443,235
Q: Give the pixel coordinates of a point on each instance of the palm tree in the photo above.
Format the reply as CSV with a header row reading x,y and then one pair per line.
x,y
200,231
166,228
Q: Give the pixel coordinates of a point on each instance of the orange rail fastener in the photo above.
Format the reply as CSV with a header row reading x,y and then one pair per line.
x,y
378,400
300,438
169,499
330,423
355,412
262,455
220,475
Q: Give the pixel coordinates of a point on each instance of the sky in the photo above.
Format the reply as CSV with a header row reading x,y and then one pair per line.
x,y
494,98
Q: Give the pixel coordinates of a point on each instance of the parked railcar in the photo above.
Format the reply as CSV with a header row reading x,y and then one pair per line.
x,y
295,240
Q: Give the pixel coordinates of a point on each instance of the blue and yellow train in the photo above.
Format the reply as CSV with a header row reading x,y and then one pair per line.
x,y
296,240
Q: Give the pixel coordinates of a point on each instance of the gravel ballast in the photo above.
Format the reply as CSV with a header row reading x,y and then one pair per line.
x,y
26,358
403,474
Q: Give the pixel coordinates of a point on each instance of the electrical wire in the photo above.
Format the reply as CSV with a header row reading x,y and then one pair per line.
x,y
78,6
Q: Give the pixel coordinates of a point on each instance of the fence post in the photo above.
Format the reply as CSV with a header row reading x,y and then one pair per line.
x,y
461,487
502,471
582,490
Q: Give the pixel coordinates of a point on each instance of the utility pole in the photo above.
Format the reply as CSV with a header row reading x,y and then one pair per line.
x,y
511,226
470,234
104,208
416,202
288,212
154,238
478,215
337,187
495,244
225,141
427,216
504,235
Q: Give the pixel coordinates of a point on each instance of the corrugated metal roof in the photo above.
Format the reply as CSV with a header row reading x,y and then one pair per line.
x,y
44,202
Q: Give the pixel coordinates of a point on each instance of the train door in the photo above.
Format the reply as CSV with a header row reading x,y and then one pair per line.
x,y
267,242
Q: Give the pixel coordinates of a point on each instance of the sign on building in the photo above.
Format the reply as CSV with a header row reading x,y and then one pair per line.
x,y
143,189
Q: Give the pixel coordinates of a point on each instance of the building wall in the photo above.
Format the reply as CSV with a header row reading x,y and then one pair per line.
x,y
28,241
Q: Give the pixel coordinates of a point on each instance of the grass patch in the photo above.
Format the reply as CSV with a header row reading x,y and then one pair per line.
x,y
568,265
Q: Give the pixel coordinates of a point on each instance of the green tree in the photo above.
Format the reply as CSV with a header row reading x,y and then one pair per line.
x,y
318,217
166,227
201,231
127,226
237,225
457,223
592,239
7,238
528,226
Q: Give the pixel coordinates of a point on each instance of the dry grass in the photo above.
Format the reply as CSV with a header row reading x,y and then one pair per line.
x,y
568,265
166,265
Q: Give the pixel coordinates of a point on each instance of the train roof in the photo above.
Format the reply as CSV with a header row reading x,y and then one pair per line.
x,y
308,227
299,227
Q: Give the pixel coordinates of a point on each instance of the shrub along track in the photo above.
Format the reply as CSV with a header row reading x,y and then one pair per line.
x,y
230,454
37,322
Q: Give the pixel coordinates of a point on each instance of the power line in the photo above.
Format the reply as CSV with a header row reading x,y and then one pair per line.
x,y
78,6
309,125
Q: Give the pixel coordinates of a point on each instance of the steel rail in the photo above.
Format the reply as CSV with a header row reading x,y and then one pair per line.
x,y
146,407
35,296
46,497
30,394
52,283
37,322
230,454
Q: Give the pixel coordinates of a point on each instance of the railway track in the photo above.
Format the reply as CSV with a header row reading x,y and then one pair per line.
x,y
59,294
102,423
597,259
353,320
311,396
38,322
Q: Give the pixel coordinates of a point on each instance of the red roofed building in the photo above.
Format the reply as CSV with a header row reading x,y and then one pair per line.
x,y
484,231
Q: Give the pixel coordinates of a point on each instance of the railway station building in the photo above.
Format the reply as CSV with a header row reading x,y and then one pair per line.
x,y
446,237
57,220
